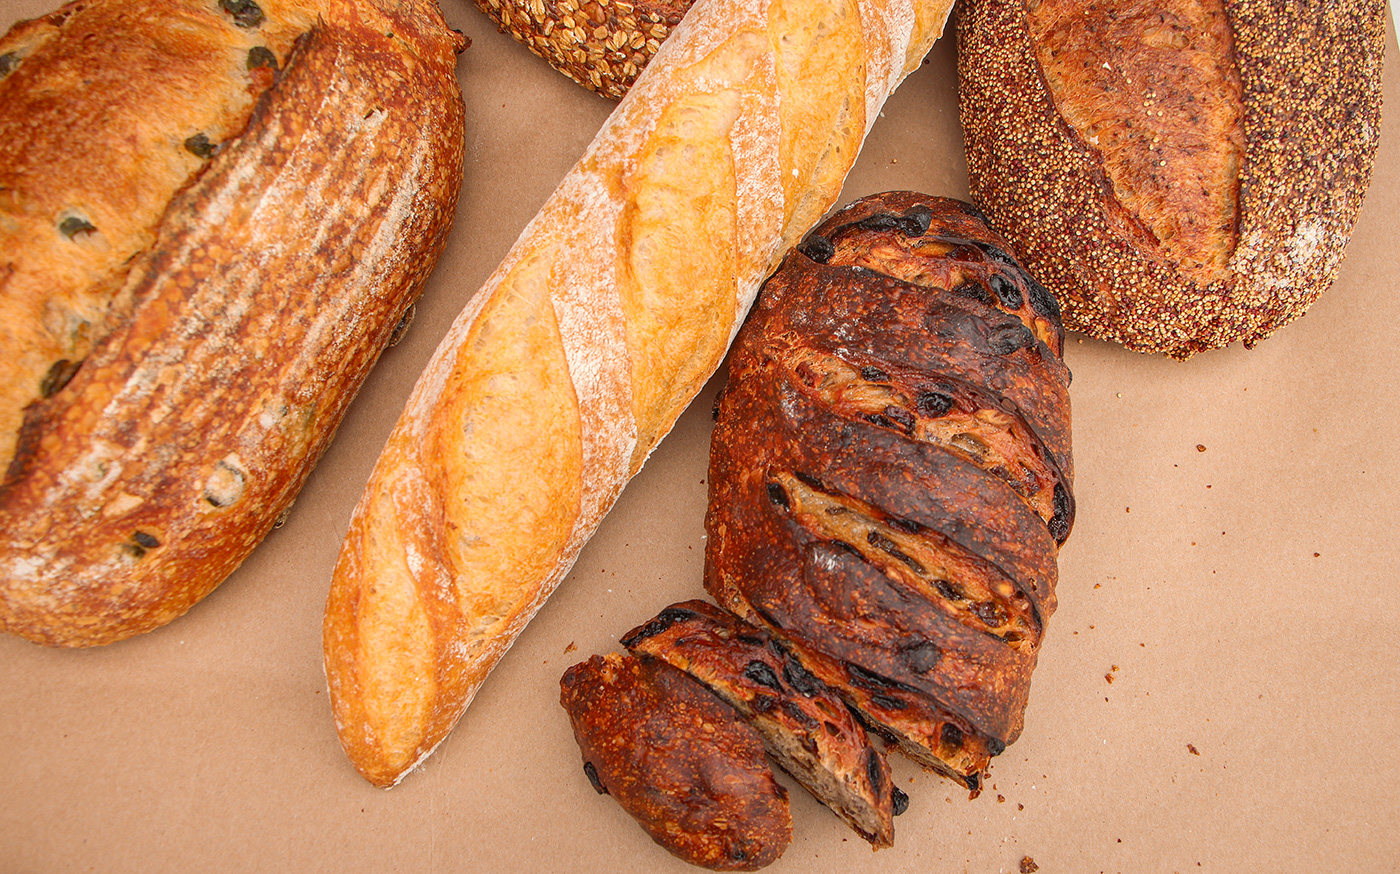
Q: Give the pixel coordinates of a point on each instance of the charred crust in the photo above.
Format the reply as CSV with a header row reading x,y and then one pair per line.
x,y
818,248
663,621
592,773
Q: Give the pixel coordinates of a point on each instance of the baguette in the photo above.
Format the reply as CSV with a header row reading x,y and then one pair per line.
x,y
1183,175
200,265
604,320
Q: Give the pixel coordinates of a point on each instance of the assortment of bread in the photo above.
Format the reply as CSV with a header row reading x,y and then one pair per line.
x,y
200,268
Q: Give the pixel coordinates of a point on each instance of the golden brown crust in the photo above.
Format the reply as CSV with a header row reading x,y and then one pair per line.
x,y
600,44
907,565
91,153
188,429
576,357
679,760
1153,88
1106,232
805,726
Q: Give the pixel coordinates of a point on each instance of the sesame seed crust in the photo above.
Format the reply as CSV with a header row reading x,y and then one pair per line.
x,y
1311,96
600,44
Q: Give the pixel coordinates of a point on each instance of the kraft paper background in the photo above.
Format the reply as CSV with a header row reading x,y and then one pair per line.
x,y
1217,692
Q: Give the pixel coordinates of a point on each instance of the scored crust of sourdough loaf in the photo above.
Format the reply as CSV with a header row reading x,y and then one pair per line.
x,y
207,276
1183,175
603,322
600,44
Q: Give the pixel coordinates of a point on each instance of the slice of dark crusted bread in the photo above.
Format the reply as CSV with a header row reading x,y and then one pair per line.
x,y
683,763
806,727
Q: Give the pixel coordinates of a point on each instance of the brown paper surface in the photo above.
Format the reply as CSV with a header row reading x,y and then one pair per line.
x,y
1217,691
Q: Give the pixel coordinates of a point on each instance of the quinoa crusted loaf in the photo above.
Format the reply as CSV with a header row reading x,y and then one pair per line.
x,y
603,322
890,473
213,215
1182,175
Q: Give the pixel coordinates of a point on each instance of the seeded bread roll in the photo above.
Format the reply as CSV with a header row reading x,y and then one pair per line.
x,y
212,217
890,473
679,760
806,728
604,321
600,44
1182,175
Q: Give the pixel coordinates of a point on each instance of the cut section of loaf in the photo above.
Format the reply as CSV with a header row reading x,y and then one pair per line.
x,y
679,760
890,473
805,726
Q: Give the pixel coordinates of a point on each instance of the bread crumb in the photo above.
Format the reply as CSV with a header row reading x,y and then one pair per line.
x,y
1191,748
1028,865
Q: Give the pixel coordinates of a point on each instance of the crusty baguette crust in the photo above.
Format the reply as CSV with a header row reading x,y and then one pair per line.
x,y
1309,86
240,336
603,322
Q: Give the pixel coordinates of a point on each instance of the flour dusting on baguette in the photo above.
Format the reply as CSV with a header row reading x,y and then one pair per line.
x,y
576,357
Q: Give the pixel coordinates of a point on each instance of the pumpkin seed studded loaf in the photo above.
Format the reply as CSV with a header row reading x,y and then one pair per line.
x,y
213,214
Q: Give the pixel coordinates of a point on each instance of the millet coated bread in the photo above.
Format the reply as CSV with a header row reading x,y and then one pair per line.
x,y
1182,175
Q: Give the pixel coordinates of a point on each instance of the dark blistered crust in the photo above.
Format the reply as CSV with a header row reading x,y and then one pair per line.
x,y
239,339
679,760
913,575
600,44
807,727
1310,76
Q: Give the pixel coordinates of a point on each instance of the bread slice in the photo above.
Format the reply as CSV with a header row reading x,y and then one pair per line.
x,y
679,760
806,727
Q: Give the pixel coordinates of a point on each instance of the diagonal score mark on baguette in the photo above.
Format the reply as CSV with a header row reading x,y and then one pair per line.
x,y
605,319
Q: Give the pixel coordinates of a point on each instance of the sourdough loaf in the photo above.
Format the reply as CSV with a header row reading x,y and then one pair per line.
x,y
212,217
1182,175
890,473
603,322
